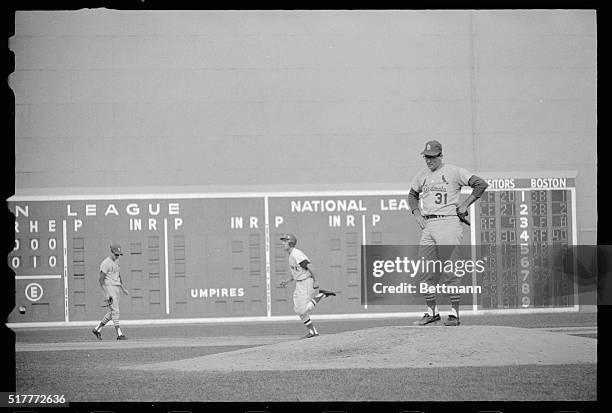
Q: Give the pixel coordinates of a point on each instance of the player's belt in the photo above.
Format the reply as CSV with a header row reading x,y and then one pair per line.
x,y
436,216
304,279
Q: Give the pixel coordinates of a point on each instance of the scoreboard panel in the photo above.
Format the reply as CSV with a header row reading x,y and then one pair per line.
x,y
182,257
523,225
208,256
331,230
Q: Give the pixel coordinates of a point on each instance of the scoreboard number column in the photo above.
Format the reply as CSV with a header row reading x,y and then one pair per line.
x,y
37,260
563,285
525,261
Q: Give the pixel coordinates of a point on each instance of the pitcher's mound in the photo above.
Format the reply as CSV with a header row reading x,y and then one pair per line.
x,y
401,347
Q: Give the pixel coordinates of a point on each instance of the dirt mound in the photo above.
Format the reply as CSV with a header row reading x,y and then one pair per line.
x,y
401,347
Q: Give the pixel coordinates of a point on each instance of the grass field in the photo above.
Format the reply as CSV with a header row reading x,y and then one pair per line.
x,y
89,370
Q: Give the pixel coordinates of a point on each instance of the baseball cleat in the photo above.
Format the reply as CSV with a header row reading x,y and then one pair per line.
x,y
310,335
97,334
427,319
121,337
452,321
326,293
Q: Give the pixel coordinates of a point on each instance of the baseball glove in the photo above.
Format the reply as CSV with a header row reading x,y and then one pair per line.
x,y
107,302
462,217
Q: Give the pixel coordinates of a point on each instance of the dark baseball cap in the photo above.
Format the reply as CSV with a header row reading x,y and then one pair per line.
x,y
432,148
116,249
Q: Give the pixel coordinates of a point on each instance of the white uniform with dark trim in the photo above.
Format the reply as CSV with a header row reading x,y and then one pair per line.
x,y
112,283
112,270
304,290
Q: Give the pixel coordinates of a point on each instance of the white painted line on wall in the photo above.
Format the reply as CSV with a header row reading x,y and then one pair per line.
x,y
65,253
363,230
575,244
363,270
268,275
198,195
225,320
166,265
38,277
574,231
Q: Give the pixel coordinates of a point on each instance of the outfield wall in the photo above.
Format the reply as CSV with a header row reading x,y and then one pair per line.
x,y
160,105
122,99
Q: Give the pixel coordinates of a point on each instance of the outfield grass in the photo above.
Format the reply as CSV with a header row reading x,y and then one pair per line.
x,y
86,376
94,375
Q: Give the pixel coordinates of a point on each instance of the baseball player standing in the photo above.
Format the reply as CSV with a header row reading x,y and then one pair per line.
x,y
110,281
437,189
304,296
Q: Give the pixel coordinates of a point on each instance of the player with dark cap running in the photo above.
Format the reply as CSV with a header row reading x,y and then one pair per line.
x,y
305,298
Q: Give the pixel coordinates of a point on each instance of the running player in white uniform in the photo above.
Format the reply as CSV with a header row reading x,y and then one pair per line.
x,y
304,296
437,189
110,281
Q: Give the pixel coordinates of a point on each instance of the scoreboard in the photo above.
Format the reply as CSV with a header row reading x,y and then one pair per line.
x,y
524,225
218,255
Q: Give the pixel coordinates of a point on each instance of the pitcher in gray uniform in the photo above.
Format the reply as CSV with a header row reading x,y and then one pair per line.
x,y
434,201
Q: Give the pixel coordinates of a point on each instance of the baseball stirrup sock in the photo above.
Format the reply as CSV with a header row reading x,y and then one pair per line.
x,y
310,326
432,308
105,320
310,305
455,308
